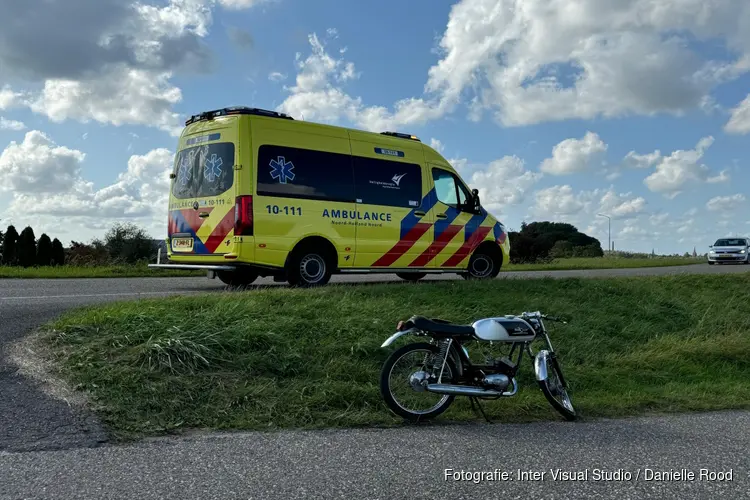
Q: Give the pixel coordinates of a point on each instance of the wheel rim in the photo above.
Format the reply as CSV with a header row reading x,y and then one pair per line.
x,y
556,389
312,268
481,266
408,376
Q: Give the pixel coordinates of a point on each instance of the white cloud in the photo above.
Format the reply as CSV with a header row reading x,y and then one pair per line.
x,y
123,96
318,94
634,160
275,76
680,169
726,203
556,201
39,166
437,145
140,194
114,68
575,155
623,205
6,124
8,98
241,4
739,122
533,61
502,183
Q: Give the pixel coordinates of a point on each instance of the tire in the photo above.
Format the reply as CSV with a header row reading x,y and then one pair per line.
x,y
482,266
444,401
411,276
711,263
308,267
550,392
240,277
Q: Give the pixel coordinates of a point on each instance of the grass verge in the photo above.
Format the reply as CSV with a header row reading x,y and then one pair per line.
x,y
605,263
125,271
276,358
145,272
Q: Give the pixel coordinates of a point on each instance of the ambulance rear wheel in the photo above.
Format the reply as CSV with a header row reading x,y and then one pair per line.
x,y
308,267
411,276
240,277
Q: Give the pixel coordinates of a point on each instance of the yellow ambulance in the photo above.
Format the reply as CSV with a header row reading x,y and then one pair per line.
x,y
257,193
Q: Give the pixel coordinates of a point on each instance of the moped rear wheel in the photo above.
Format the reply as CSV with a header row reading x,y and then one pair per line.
x,y
556,392
404,376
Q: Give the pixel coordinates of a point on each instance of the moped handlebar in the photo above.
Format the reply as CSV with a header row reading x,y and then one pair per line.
x,y
540,315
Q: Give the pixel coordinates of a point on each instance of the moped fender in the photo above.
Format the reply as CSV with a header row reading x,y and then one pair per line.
x,y
396,335
540,365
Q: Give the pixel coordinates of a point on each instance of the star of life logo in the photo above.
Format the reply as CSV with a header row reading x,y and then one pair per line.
x,y
184,172
212,168
282,170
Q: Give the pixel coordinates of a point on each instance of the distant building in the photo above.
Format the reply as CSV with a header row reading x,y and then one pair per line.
x,y
695,254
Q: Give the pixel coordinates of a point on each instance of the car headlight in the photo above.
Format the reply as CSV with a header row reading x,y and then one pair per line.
x,y
712,252
742,251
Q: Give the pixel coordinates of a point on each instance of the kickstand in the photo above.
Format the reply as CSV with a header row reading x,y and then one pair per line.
x,y
479,406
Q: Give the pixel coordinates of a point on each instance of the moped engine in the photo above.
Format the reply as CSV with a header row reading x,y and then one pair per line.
x,y
497,381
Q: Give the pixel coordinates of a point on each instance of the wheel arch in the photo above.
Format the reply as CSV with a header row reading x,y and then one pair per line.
x,y
316,241
492,248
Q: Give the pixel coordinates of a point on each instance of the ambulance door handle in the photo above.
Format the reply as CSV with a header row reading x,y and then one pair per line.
x,y
203,215
441,216
420,213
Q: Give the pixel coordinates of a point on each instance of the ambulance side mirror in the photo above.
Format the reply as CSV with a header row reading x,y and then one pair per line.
x,y
475,199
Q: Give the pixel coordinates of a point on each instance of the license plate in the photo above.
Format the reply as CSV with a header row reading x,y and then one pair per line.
x,y
182,244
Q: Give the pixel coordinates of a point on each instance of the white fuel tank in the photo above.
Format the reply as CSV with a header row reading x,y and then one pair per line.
x,y
504,329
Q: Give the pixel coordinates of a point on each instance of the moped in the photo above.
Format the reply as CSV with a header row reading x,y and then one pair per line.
x,y
420,380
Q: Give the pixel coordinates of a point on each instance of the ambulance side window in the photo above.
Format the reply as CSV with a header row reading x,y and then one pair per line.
x,y
290,172
445,187
387,182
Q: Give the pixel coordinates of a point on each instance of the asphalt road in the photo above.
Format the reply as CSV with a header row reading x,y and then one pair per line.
x,y
70,449
408,463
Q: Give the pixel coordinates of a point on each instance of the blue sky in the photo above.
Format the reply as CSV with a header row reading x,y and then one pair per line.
x,y
637,109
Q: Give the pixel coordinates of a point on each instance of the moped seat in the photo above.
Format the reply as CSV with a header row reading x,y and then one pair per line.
x,y
441,327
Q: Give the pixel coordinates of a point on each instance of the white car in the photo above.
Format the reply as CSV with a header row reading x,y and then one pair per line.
x,y
730,250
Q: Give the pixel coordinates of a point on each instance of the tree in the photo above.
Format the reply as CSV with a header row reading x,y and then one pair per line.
x,y
81,254
1,240
10,246
128,243
539,241
58,253
26,247
44,251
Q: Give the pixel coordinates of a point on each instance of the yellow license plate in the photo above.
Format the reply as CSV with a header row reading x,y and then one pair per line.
x,y
182,244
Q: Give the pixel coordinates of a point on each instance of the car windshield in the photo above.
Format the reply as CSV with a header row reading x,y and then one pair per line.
x,y
726,242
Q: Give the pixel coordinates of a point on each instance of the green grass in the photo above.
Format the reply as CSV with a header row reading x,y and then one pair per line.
x,y
606,263
143,271
124,271
281,358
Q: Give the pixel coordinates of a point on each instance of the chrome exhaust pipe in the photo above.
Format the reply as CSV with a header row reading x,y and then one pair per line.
x,y
462,390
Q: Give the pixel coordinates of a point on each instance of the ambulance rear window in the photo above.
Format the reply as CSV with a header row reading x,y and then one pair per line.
x,y
203,171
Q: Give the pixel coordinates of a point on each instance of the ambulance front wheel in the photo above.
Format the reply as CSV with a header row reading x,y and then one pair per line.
x,y
484,264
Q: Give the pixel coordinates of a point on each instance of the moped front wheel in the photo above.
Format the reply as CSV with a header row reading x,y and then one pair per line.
x,y
554,389
404,376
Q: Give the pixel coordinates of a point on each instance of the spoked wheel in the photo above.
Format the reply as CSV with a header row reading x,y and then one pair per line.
x,y
555,391
404,376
